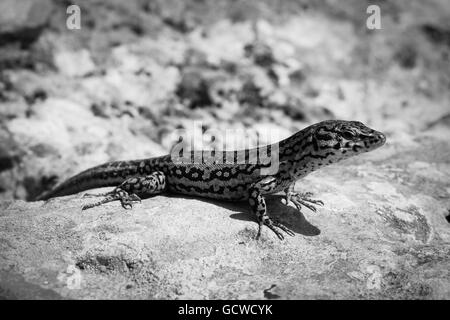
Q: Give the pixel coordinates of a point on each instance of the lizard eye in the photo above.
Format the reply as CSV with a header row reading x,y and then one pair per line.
x,y
348,135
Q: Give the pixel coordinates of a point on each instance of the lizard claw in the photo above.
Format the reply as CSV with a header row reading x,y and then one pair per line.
x,y
274,226
87,206
135,197
127,200
93,195
299,199
127,205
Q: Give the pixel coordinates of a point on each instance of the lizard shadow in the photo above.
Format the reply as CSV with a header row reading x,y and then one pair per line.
x,y
287,215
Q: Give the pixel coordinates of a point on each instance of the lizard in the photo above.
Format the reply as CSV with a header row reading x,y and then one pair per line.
x,y
315,146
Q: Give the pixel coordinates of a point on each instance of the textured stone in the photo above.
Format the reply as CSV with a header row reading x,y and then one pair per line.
x,y
382,234
23,20
76,63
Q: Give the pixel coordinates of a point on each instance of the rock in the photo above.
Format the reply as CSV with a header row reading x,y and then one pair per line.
x,y
23,20
406,56
63,134
436,34
261,54
136,77
250,94
7,157
222,42
11,110
11,154
27,87
376,237
74,63
194,90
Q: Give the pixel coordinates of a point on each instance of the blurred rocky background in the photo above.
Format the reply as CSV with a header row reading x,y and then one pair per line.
x,y
138,70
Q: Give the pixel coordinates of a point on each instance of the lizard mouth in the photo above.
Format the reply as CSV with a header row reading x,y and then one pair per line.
x,y
365,143
376,140
370,142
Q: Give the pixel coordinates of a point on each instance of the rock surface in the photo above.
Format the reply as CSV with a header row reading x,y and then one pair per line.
x,y
19,16
383,234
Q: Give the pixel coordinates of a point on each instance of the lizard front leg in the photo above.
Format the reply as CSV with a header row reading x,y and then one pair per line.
x,y
132,189
258,206
299,199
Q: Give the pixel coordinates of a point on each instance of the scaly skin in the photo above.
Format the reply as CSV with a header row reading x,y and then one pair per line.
x,y
316,146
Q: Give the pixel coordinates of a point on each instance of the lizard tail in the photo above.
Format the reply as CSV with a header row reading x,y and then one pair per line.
x,y
105,175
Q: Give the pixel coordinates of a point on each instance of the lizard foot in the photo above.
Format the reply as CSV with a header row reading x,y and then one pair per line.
x,y
274,226
124,197
299,199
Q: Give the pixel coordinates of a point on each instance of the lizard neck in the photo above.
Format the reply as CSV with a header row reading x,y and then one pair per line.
x,y
301,154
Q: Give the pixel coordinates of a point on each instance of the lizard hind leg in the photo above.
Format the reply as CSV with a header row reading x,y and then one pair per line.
x,y
131,189
124,197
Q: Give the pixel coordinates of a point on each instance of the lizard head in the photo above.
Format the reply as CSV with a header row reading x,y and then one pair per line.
x,y
340,139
